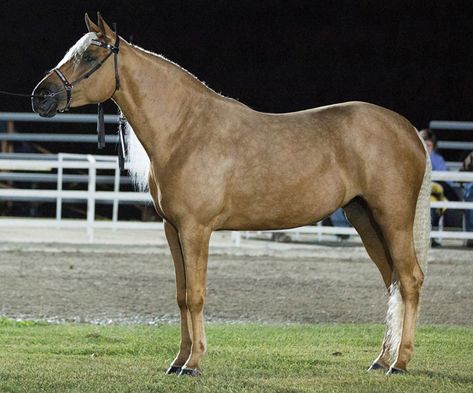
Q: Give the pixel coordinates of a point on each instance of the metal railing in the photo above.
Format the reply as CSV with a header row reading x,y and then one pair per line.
x,y
56,137
459,126
59,118
113,119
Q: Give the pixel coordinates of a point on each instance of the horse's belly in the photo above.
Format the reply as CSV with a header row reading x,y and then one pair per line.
x,y
282,210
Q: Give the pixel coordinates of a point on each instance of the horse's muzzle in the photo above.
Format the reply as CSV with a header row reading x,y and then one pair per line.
x,y
44,104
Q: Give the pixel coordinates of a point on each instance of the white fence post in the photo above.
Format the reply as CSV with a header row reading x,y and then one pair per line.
x,y
236,237
319,235
59,190
116,190
91,197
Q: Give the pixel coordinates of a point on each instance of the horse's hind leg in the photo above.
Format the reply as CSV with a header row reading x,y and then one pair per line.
x,y
361,218
410,279
186,341
397,225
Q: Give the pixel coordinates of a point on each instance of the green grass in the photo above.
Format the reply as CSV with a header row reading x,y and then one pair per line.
x,y
37,357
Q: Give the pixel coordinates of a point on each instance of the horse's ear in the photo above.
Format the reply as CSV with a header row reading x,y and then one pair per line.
x,y
91,26
104,27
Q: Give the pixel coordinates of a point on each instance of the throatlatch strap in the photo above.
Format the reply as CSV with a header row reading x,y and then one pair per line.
x,y
100,126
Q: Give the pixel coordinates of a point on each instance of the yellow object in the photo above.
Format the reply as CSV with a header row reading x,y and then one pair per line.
x,y
436,195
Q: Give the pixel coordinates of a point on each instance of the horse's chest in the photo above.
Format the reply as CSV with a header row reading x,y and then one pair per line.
x,y
164,197
156,191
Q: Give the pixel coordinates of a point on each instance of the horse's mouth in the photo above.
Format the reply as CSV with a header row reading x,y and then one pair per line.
x,y
46,108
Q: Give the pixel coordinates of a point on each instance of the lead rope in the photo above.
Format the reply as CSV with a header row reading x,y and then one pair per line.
x,y
9,93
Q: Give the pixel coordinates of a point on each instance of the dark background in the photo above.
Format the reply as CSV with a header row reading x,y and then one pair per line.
x,y
414,57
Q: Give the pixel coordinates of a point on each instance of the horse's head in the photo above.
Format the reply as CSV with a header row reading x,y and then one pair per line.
x,y
85,75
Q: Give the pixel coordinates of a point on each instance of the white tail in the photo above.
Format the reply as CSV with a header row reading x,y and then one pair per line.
x,y
422,218
137,161
394,320
395,314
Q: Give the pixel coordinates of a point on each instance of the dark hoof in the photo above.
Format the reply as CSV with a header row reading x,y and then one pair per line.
x,y
173,370
193,372
394,370
376,367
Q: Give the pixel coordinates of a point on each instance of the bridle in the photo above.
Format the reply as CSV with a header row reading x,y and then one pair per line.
x,y
68,86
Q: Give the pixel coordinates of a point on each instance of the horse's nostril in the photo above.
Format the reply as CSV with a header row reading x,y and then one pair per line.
x,y
42,92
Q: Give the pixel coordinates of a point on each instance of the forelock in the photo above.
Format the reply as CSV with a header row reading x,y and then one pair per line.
x,y
78,49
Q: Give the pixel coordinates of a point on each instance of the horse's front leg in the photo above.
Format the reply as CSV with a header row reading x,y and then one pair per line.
x,y
186,341
195,248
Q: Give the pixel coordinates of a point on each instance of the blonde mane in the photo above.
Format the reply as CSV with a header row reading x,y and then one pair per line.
x,y
189,74
137,161
77,50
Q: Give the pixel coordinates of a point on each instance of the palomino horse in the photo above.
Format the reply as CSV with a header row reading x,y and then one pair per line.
x,y
218,164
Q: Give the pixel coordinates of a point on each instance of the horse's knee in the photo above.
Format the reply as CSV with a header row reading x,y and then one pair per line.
x,y
182,301
195,300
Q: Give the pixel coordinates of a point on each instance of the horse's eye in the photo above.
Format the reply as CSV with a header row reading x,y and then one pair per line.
x,y
88,58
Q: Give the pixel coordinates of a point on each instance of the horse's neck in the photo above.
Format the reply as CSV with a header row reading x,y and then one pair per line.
x,y
156,97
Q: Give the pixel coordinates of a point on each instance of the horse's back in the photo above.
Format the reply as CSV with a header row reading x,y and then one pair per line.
x,y
353,139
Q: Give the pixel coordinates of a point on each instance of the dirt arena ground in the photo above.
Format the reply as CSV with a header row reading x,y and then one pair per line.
x,y
257,282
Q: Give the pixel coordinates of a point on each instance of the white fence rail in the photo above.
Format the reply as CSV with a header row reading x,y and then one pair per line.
x,y
458,126
60,195
91,196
